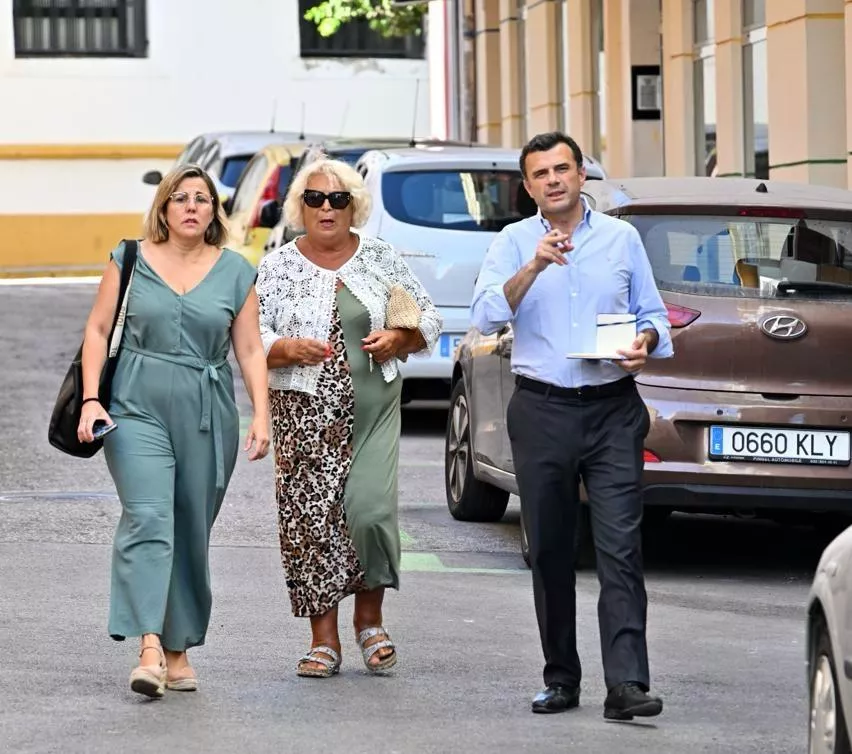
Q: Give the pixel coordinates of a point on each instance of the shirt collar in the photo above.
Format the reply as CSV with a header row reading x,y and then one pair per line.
x,y
587,212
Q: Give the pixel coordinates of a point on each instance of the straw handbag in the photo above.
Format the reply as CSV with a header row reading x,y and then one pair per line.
x,y
403,310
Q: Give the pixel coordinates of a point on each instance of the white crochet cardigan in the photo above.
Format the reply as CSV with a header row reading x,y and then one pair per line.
x,y
297,300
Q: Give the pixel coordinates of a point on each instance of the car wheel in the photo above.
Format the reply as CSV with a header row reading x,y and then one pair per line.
x,y
827,732
584,546
467,498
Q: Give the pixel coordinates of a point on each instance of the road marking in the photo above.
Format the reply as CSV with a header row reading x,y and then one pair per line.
x,y
429,562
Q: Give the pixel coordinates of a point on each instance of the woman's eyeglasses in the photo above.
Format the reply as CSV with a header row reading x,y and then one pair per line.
x,y
337,199
182,197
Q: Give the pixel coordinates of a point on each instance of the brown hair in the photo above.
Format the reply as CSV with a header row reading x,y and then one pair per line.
x,y
157,230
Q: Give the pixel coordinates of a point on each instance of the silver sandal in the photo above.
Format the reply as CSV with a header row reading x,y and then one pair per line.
x,y
330,666
368,651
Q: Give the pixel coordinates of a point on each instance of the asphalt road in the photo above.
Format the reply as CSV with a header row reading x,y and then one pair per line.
x,y
726,615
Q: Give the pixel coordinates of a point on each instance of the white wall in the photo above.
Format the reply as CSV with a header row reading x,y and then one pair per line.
x,y
212,65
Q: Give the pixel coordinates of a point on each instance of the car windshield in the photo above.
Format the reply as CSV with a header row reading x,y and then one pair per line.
x,y
748,256
482,200
233,169
349,156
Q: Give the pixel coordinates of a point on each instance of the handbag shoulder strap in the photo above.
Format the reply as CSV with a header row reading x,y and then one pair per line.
x,y
128,267
131,249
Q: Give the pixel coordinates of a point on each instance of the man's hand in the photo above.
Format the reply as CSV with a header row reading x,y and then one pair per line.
x,y
551,250
547,253
636,356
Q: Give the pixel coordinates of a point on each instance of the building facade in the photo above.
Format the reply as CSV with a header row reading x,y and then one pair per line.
x,y
93,93
671,87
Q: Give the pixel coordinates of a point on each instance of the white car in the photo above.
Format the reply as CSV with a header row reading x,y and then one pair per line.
x,y
829,649
440,207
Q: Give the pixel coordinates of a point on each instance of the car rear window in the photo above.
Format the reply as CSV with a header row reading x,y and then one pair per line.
x,y
233,169
483,200
747,256
349,156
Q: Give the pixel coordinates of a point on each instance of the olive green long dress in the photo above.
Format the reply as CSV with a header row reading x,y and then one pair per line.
x,y
174,448
336,473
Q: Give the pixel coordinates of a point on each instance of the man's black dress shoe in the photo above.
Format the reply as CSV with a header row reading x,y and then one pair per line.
x,y
629,700
557,697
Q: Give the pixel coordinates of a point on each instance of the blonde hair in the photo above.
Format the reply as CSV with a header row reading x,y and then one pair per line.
x,y
345,175
157,229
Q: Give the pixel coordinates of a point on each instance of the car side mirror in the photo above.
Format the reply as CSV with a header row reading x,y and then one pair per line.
x,y
152,178
270,214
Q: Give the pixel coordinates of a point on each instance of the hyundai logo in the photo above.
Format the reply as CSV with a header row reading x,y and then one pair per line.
x,y
783,327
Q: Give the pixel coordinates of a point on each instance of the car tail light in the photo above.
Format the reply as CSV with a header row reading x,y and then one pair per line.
x,y
681,316
650,457
270,193
771,212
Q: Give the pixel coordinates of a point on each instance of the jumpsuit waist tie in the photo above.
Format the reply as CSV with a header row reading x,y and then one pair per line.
x,y
211,419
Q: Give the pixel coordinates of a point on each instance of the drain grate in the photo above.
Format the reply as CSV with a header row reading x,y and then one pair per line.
x,y
56,497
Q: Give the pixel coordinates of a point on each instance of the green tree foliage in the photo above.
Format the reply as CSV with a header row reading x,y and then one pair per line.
x,y
383,17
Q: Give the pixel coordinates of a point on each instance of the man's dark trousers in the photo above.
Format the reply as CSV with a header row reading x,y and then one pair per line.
x,y
559,437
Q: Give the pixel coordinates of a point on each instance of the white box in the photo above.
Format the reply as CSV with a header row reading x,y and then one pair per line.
x,y
614,332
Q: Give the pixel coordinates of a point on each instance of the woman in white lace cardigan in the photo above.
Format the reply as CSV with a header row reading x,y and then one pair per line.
x,y
335,397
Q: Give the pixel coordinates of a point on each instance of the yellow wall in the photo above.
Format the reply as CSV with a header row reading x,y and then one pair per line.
x,y
61,244
89,151
66,206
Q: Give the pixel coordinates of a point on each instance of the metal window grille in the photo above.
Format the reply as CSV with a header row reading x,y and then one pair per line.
x,y
354,39
80,28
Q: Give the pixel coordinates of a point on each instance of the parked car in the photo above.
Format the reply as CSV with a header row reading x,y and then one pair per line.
x,y
225,154
829,649
753,414
264,179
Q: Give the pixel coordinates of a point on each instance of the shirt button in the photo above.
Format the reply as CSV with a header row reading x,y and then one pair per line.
x,y
573,324
573,293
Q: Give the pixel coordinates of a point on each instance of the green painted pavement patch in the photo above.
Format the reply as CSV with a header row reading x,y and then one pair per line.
x,y
429,562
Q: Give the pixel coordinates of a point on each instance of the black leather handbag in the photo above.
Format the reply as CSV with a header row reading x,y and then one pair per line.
x,y
62,433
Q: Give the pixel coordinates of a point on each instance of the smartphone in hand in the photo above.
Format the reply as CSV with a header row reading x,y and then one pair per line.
x,y
100,428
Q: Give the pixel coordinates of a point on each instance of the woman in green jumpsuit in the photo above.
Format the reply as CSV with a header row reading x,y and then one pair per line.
x,y
176,441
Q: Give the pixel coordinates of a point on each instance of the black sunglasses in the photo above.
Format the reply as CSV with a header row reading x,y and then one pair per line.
x,y
337,199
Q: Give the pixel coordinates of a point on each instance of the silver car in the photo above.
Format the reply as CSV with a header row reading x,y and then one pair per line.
x,y
829,649
224,155
441,207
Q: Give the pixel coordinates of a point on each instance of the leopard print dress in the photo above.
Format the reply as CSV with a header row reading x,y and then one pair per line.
x,y
337,515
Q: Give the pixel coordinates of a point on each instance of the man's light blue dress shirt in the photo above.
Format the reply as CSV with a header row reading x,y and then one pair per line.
x,y
608,272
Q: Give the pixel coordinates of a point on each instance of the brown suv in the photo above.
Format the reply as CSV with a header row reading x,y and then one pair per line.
x,y
753,414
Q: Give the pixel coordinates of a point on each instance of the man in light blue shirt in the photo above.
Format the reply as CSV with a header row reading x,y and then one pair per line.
x,y
551,276
603,270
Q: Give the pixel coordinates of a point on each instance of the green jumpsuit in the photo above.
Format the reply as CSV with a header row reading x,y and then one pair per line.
x,y
174,450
